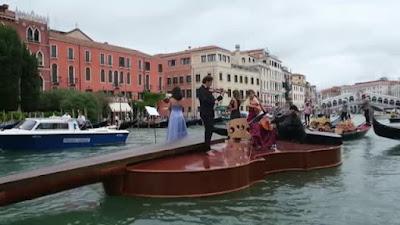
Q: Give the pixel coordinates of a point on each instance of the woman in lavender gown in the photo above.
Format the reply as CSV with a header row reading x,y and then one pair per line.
x,y
176,123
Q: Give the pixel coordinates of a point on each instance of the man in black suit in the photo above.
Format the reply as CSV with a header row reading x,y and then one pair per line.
x,y
207,102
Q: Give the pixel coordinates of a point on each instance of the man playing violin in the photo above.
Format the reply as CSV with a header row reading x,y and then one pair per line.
x,y
207,102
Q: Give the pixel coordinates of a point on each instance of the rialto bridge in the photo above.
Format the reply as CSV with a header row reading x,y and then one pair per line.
x,y
380,102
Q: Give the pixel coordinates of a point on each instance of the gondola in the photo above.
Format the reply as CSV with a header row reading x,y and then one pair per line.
x,y
127,124
385,131
360,132
394,120
9,125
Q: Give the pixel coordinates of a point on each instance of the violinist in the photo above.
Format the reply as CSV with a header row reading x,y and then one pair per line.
x,y
207,102
254,106
234,105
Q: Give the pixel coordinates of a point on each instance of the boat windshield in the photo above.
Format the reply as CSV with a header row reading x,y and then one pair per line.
x,y
27,125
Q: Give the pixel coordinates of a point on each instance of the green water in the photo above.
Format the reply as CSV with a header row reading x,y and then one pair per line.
x,y
363,190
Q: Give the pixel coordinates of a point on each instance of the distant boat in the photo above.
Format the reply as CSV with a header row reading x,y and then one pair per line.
x,y
359,132
56,133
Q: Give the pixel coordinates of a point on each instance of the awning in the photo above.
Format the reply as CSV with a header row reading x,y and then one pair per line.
x,y
120,107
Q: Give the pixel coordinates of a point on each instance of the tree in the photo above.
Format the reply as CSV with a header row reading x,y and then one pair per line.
x,y
30,82
150,99
19,74
10,64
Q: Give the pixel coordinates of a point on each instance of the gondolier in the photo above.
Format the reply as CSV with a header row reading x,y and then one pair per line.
x,y
366,108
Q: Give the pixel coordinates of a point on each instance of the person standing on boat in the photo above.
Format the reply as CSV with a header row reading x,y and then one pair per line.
x,y
344,115
234,105
366,107
307,113
66,116
81,119
207,102
176,122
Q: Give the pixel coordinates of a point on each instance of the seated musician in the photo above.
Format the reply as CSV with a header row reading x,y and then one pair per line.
x,y
263,134
290,127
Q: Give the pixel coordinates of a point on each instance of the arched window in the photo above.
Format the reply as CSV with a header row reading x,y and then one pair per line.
x,y
385,101
39,57
71,75
329,104
87,74
340,101
110,77
334,102
128,78
121,77
391,102
102,76
374,98
54,73
41,83
36,35
29,34
380,100
116,78
351,99
397,103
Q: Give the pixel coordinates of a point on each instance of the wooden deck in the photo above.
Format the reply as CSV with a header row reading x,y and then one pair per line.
x,y
105,168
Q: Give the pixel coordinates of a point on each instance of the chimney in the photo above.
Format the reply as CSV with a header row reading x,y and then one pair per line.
x,y
237,47
190,47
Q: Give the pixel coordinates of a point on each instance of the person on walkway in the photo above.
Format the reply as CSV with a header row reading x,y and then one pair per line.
x,y
344,112
207,102
366,107
307,113
176,122
234,105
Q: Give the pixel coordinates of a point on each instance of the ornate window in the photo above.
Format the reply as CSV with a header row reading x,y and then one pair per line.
x,y
36,35
87,74
29,34
39,57
54,73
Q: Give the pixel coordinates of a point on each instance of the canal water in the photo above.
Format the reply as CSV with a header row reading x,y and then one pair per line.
x,y
363,190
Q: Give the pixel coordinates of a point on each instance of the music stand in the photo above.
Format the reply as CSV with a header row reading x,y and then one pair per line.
x,y
153,114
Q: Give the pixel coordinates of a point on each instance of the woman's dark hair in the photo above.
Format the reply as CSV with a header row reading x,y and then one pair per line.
x,y
207,79
176,93
236,95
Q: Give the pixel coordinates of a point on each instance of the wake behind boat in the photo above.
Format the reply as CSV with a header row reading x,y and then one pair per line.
x,y
56,133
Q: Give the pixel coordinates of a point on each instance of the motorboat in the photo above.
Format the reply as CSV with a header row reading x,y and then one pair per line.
x,y
56,133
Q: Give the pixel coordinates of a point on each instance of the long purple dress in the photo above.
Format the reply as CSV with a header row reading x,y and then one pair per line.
x,y
176,124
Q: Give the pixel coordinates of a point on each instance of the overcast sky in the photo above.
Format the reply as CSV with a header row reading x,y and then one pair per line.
x,y
331,42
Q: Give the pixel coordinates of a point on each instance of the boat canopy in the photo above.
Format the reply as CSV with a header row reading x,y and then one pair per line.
x,y
120,107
